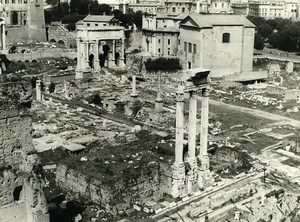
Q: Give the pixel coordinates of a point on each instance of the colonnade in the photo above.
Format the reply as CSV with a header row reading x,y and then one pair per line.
x,y
197,174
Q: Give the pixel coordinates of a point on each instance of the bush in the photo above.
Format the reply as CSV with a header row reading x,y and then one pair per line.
x,y
163,64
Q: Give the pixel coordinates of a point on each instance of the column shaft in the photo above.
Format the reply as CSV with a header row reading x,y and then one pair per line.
x,y
179,129
78,54
192,124
87,53
96,57
133,85
204,123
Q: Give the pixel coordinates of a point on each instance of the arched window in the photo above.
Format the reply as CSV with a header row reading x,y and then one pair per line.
x,y
226,38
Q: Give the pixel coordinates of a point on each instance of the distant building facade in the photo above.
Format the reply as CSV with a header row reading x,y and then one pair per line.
x,y
24,20
222,43
160,34
270,9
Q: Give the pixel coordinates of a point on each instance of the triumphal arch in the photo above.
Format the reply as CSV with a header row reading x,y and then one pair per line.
x,y
100,43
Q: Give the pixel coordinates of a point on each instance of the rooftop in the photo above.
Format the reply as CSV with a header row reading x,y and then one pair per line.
x,y
98,18
217,20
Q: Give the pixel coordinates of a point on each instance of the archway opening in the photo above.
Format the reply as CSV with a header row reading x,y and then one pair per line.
x,y
91,60
61,43
17,193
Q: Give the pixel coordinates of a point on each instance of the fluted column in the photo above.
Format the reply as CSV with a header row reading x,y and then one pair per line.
x,y
192,124
204,122
179,127
178,168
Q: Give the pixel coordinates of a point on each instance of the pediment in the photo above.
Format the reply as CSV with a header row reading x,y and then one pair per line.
x,y
188,21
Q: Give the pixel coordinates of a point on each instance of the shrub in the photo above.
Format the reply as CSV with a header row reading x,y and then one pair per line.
x,y
163,64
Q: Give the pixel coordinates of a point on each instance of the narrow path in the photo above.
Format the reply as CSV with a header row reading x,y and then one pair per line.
x,y
282,120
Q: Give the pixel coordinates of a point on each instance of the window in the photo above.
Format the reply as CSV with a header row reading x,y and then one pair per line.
x,y
96,24
88,24
169,41
194,48
169,51
158,50
185,46
215,4
222,5
173,9
226,38
158,40
183,9
190,47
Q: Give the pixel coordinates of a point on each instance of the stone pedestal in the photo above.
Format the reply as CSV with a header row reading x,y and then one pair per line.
x,y
178,180
205,178
78,74
133,85
192,185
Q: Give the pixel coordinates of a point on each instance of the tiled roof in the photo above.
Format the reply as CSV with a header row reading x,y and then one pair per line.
x,y
219,20
98,18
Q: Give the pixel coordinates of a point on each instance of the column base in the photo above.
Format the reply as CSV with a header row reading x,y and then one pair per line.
x,y
112,64
192,185
78,74
178,179
159,105
121,63
97,66
205,177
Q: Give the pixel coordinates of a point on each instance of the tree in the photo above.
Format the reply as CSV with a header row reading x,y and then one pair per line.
x,y
102,9
258,42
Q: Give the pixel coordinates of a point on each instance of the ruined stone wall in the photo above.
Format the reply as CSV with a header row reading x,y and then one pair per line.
x,y
114,197
21,191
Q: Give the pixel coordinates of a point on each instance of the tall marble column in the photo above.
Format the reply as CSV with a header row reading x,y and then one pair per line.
x,y
122,56
204,175
158,100
87,54
191,159
178,169
96,56
133,85
38,89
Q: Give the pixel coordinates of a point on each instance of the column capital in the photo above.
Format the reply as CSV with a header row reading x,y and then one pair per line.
x,y
205,92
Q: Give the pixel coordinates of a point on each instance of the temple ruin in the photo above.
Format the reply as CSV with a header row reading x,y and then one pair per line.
x,y
198,176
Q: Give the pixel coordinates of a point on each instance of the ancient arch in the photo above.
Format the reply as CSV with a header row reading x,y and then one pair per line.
x,y
17,193
61,42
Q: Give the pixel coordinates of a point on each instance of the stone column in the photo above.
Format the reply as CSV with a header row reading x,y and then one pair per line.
x,y
96,57
78,54
133,85
158,100
192,174
204,122
122,56
38,89
66,89
178,169
87,53
205,178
